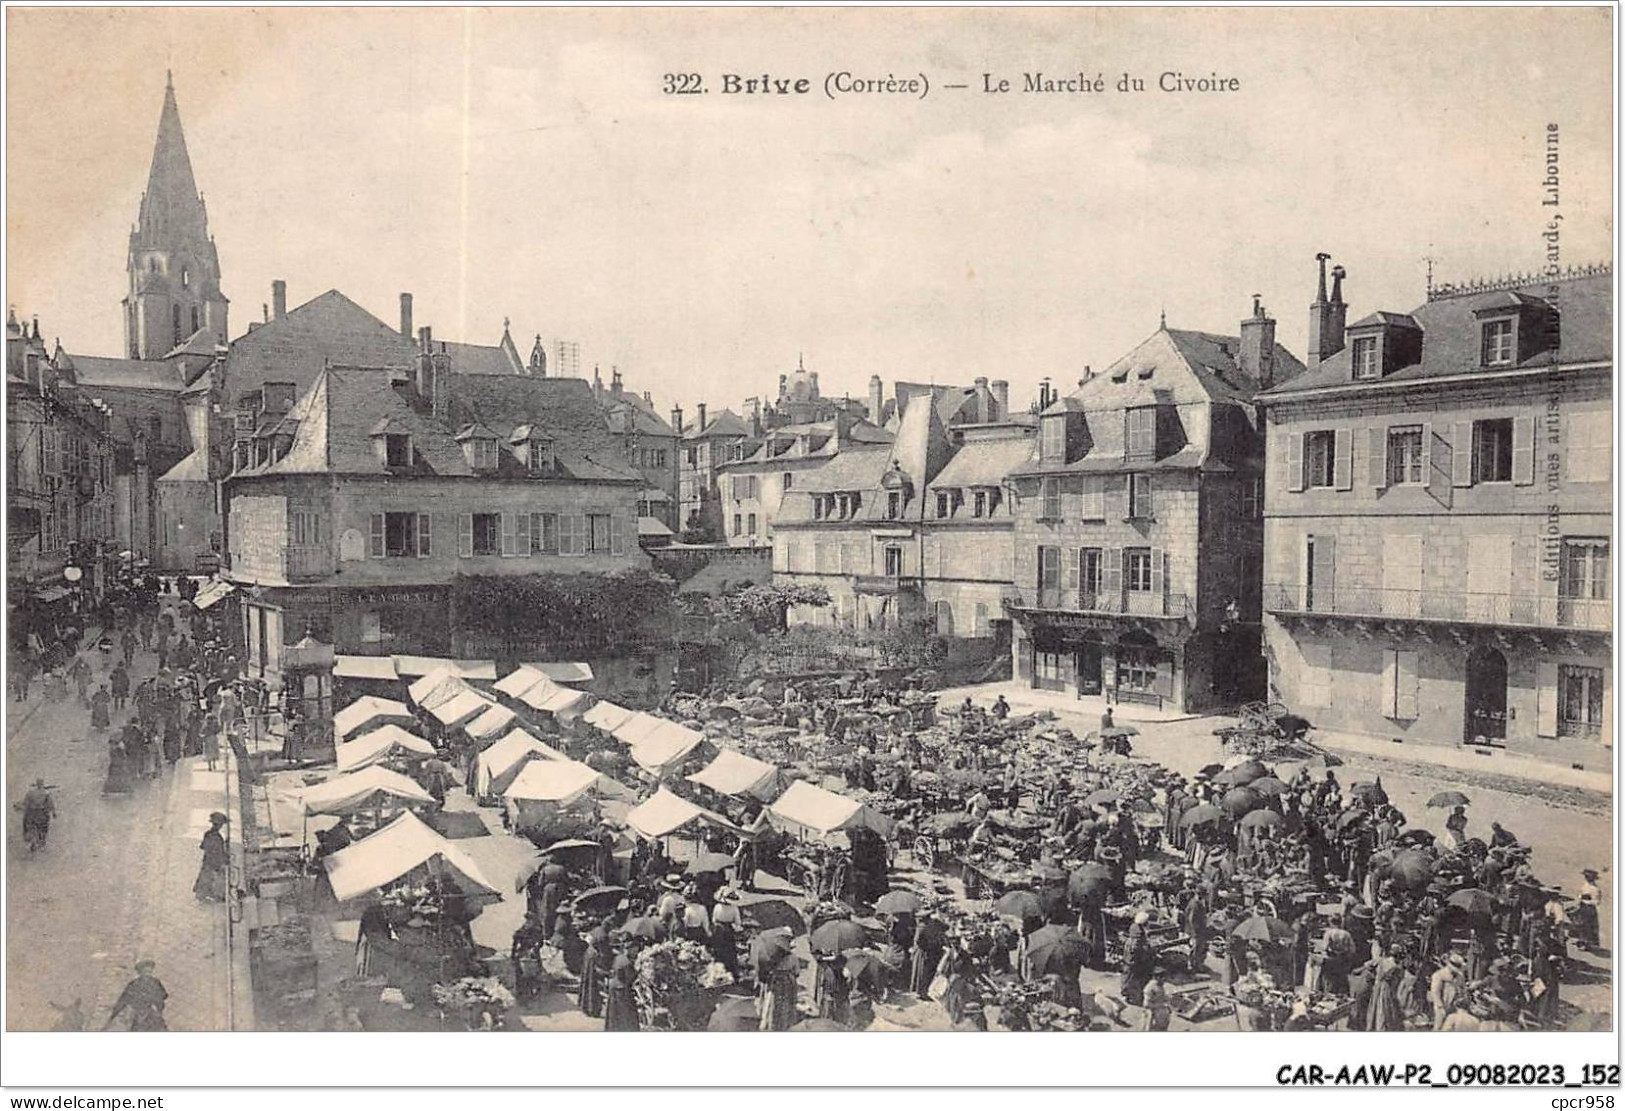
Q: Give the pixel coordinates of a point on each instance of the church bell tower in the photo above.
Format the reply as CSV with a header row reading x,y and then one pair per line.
x,y
174,270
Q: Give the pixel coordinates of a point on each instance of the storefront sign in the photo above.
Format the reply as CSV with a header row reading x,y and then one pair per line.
x,y
395,597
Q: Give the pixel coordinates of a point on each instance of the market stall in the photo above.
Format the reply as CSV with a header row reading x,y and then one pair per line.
x,y
544,788
665,747
387,743
663,814
501,764
437,687
460,708
372,788
734,774
405,849
489,725
369,712
518,681
563,704
607,716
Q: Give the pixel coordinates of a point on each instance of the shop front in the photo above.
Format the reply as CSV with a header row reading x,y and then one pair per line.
x,y
1087,656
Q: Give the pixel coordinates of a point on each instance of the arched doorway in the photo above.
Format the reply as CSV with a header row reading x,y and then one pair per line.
x,y
1486,709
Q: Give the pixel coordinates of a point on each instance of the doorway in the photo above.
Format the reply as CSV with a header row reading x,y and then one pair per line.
x,y
1088,669
1486,714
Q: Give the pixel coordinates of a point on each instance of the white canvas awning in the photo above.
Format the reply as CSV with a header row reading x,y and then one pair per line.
x,y
822,811
368,789
502,762
410,667
733,774
518,681
460,708
565,703
381,744
666,746
214,592
563,672
437,687
634,729
365,667
607,716
395,851
664,813
556,781
370,711
490,724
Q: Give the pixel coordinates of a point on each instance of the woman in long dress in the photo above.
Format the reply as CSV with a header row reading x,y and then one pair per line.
x,y
119,776
620,1006
1384,1011
778,998
210,885
596,964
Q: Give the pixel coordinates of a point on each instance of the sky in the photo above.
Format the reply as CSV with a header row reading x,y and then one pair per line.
x,y
525,165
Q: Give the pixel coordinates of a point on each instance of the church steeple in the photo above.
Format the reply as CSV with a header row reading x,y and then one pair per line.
x,y
174,269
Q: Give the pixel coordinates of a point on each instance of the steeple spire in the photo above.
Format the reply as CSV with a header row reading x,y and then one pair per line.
x,y
172,206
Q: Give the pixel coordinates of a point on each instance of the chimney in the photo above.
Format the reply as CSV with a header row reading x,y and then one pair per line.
x,y
440,396
677,419
1001,393
877,398
406,315
699,415
1045,396
265,312
1327,317
425,338
423,385
1256,360
756,416
279,298
615,380
812,377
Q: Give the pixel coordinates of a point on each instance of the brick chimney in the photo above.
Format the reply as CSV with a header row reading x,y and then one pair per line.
x,y
877,398
279,299
1001,394
1327,317
699,415
1256,360
440,397
615,381
406,315
677,419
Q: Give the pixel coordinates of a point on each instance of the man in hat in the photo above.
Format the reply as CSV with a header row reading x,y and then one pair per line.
x,y
38,810
1445,988
210,885
143,997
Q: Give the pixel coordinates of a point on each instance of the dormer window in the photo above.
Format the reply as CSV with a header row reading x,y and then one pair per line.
x,y
1498,343
1052,447
1142,432
1367,364
540,457
894,505
397,449
482,454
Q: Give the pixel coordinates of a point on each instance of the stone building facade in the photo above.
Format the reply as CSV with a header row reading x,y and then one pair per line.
x,y
1437,536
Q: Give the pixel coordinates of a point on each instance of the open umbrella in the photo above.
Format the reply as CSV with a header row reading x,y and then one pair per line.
x,y
600,898
1449,798
1259,927
569,845
1239,801
769,949
1411,869
722,713
709,863
1209,771
817,1024
774,914
1202,815
1019,904
898,902
1268,785
1260,819
1242,773
645,927
1090,883
867,967
735,1015
1474,900
1415,838
837,936
1103,797
1055,949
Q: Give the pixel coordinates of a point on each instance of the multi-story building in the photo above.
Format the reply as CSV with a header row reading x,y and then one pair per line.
x,y
800,402
60,503
919,527
648,444
752,489
711,442
1139,524
359,510
1437,532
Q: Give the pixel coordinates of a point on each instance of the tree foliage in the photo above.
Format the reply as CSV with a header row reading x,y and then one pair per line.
x,y
568,612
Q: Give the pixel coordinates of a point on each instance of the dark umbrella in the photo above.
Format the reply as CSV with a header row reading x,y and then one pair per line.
x,y
774,914
558,848
709,863
1261,818
1239,800
865,966
1371,793
600,898
838,936
1055,949
1242,774
645,927
898,902
1089,884
1449,798
1209,771
1349,818
1202,815
1103,797
1268,785
769,950
1474,900
1260,927
1418,838
734,1015
817,1024
1019,904
1411,869
722,713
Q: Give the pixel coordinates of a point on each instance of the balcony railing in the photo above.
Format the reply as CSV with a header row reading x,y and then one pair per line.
x,y
1527,610
884,584
1135,603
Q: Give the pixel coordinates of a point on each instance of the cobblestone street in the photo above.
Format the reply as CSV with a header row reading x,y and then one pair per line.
x,y
114,882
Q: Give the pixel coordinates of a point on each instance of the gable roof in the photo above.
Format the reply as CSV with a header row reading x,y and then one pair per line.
x,y
856,468
564,409
984,462
327,330
725,423
92,371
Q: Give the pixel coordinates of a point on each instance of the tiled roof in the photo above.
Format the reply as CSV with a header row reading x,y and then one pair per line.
x,y
1378,319
984,462
564,409
132,374
1451,338
643,420
327,330
853,469
479,358
725,423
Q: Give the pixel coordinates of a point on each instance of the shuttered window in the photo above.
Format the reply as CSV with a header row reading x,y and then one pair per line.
x,y
1400,684
425,535
617,533
375,538
544,534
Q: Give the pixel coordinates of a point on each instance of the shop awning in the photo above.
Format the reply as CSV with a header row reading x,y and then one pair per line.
x,y
539,692
459,708
500,763
635,728
410,667
214,592
653,526
734,774
606,716
664,813
367,789
369,711
490,724
381,744
556,781
518,681
397,850
565,703
666,746
564,672
821,811
365,667
437,687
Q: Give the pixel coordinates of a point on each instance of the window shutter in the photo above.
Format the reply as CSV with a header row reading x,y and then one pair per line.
x,y
583,538
425,535
465,534
1436,463
509,535
617,535
1461,453
1546,696
1377,455
1114,573
1390,683
375,542
1294,460
1159,572
1405,686
521,539
1523,451
1343,459
1072,570
1325,570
